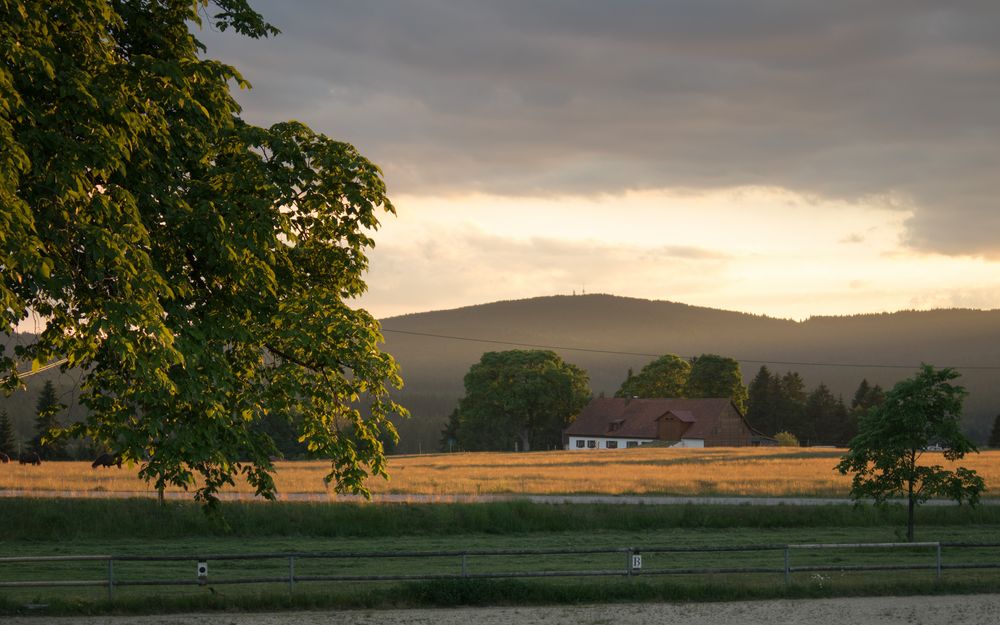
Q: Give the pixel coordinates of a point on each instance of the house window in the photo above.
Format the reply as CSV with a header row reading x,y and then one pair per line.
x,y
579,443
611,444
631,443
591,444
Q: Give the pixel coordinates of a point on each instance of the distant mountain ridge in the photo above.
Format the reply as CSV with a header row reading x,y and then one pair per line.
x,y
840,351
616,329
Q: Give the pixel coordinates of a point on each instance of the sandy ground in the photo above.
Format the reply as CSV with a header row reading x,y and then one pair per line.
x,y
941,610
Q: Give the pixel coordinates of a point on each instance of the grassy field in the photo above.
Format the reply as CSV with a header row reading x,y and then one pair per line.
x,y
753,472
122,527
142,527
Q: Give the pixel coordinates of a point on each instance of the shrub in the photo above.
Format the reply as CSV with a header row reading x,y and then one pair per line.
x,y
787,439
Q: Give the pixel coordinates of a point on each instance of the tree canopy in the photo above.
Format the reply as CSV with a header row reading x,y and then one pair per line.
x,y
197,268
887,455
664,377
717,376
522,397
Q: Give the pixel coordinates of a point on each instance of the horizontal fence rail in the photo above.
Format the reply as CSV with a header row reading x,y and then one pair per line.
x,y
926,556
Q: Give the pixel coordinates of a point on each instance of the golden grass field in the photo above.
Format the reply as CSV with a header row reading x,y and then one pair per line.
x,y
755,472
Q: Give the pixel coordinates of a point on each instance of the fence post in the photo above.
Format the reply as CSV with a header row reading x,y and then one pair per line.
x,y
465,572
291,574
111,579
628,562
939,562
787,571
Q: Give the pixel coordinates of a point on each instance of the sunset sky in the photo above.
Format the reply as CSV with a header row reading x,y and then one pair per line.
x,y
785,157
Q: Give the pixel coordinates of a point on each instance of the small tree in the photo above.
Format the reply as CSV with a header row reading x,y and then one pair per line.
x,y
8,441
46,420
885,456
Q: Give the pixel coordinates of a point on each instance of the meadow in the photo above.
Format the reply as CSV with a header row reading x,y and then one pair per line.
x,y
744,472
43,524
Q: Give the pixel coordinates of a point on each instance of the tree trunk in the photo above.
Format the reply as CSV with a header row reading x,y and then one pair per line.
x,y
910,500
909,519
525,440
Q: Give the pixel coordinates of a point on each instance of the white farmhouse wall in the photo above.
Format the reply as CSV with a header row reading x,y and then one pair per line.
x,y
596,442
690,442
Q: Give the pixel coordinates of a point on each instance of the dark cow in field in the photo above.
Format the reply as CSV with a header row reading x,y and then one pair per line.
x,y
30,457
4,458
107,460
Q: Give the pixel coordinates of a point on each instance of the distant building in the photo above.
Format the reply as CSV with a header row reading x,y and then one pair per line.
x,y
614,423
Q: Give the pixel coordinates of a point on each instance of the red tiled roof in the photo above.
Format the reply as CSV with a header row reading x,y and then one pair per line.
x,y
638,417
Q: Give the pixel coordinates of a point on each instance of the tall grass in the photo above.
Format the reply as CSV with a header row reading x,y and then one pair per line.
x,y
754,472
75,519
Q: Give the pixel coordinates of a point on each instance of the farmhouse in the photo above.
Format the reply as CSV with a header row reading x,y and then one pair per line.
x,y
612,423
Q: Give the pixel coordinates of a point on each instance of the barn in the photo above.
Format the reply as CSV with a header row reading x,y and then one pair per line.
x,y
613,423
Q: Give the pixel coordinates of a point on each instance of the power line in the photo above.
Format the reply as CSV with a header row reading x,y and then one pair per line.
x,y
624,353
42,369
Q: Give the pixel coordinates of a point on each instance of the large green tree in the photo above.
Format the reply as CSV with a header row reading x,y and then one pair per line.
x,y
886,458
519,397
196,268
664,377
716,376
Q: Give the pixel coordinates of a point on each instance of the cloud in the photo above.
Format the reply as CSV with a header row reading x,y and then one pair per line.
x,y
840,100
461,265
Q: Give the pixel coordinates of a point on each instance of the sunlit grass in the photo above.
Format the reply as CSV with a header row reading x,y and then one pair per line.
x,y
754,472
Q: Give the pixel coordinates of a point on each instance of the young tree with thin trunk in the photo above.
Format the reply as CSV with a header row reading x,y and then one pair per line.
x,y
888,457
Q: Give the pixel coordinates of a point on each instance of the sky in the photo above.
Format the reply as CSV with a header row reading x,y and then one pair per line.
x,y
783,157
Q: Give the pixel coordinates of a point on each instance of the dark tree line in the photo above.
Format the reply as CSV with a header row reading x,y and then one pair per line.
x,y
780,403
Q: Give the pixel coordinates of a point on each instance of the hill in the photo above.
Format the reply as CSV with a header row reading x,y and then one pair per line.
x,y
611,334
622,333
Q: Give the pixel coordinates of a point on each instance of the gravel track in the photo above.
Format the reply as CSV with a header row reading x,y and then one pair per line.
x,y
935,610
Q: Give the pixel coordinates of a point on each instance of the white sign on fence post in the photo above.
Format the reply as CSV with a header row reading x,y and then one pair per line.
x,y
202,572
636,561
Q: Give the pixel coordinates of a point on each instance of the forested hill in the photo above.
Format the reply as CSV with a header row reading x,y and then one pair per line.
x,y
434,367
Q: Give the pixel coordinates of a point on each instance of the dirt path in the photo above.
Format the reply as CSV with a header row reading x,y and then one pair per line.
x,y
941,610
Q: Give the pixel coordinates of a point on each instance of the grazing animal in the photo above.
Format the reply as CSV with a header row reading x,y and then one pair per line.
x,y
30,457
4,458
107,460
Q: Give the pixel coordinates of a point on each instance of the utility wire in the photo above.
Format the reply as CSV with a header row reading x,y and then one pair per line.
x,y
42,369
623,353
